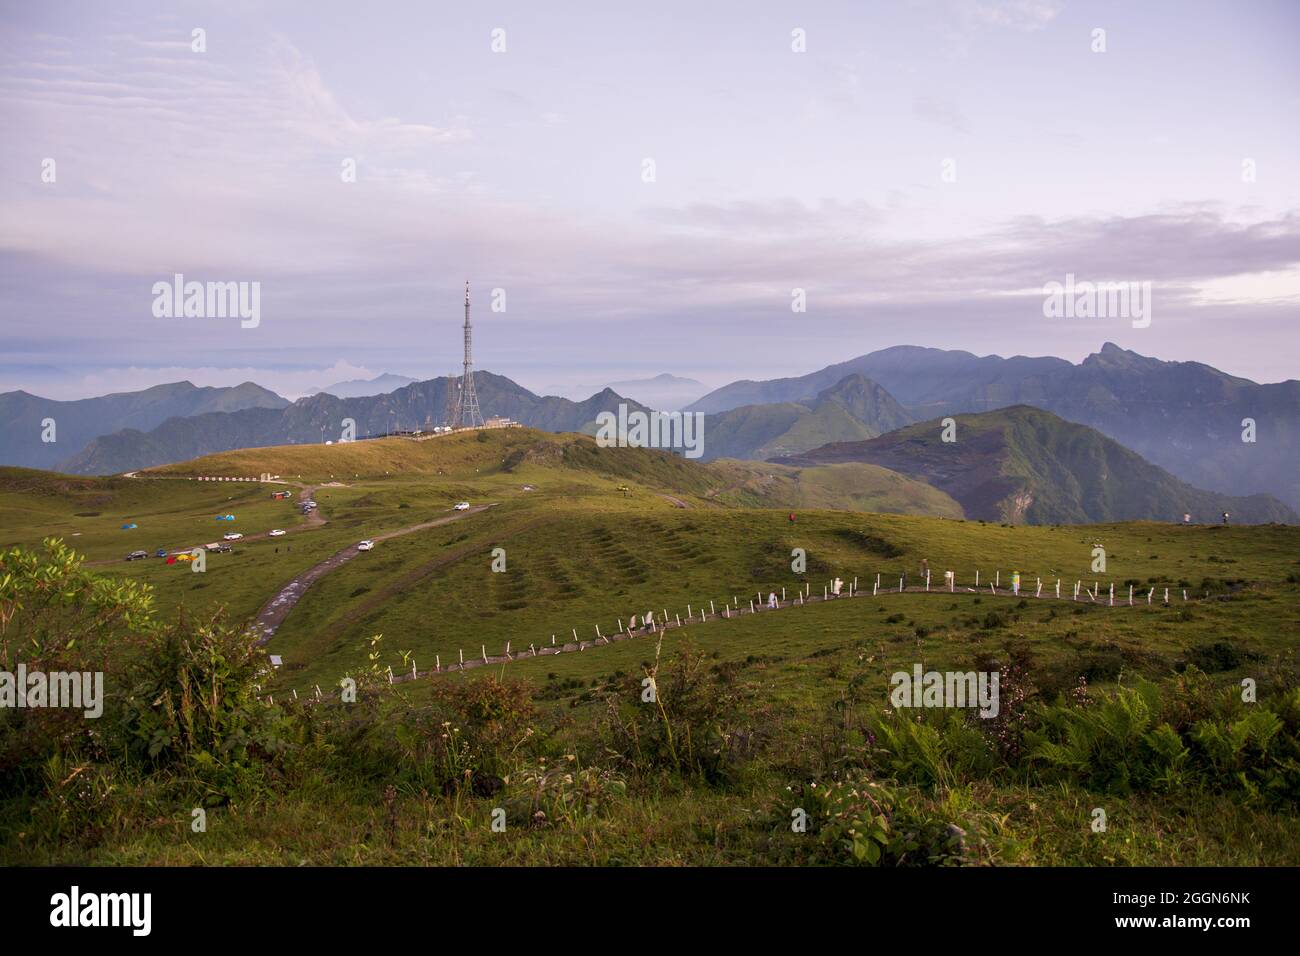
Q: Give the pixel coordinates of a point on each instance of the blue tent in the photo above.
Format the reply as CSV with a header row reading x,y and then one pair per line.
x,y
126,527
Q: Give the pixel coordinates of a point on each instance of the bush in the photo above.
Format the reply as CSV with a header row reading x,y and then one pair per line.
x,y
193,707
863,822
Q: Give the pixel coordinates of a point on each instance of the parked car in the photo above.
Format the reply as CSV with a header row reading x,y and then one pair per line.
x,y
276,532
137,555
462,506
160,553
232,536
366,546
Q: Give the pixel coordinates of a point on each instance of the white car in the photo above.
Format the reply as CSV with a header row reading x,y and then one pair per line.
x,y
462,506
275,533
366,546
232,536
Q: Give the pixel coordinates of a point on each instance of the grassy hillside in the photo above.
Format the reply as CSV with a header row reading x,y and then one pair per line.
x,y
755,709
849,487
1024,464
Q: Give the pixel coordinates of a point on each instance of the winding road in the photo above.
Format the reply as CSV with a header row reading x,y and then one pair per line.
x,y
273,613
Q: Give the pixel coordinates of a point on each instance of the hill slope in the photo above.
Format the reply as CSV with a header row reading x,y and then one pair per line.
x,y
853,409
1022,464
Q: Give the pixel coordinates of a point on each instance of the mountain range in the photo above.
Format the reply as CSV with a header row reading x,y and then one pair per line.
x,y
78,422
321,417
1186,417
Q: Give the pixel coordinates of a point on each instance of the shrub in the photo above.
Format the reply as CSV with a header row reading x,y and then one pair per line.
x,y
193,707
867,823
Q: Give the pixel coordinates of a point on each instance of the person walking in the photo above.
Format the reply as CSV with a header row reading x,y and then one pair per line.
x,y
1226,516
771,599
1015,583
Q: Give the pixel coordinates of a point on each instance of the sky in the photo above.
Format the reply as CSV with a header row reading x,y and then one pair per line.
x,y
639,188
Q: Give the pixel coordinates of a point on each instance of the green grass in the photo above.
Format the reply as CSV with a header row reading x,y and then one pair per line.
x,y
581,552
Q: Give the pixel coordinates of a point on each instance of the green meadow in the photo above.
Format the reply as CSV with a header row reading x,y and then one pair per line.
x,y
1139,711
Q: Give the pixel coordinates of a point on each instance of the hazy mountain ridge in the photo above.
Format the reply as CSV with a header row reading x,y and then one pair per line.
x,y
362,387
1023,464
319,418
80,421
1183,416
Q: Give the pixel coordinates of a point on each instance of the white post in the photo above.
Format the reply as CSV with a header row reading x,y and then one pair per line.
x,y
1130,595
437,663
295,693
726,611
1166,595
997,578
783,592
689,615
533,649
483,651
318,691
751,607
875,588
552,640
952,582
679,620
713,612
977,577
1184,594
1039,591
1149,593
620,626
993,589
877,584
1112,593
414,672
462,657
927,579
900,585
575,633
